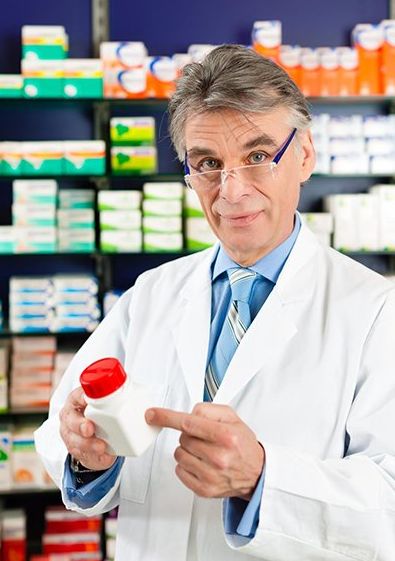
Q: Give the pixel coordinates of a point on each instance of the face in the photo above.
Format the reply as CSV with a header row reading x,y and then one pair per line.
x,y
250,218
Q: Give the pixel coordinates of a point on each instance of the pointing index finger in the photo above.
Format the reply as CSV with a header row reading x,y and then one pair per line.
x,y
191,424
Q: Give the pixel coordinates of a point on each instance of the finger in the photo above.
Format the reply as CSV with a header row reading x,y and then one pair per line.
x,y
74,420
77,399
189,480
216,412
193,425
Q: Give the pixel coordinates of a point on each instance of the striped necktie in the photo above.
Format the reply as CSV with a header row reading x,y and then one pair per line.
x,y
236,323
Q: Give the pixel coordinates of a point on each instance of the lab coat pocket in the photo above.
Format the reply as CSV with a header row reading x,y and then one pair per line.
x,y
136,472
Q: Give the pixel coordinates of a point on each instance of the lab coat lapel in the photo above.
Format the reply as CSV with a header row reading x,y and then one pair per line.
x,y
191,329
275,324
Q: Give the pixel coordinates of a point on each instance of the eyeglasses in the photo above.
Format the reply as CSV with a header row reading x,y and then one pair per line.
x,y
251,173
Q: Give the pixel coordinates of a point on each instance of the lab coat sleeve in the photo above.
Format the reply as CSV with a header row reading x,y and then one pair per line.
x,y
107,340
338,509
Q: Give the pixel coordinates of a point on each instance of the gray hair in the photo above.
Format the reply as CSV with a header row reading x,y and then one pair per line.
x,y
233,77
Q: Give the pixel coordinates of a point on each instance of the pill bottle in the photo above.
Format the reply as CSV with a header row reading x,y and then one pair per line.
x,y
117,406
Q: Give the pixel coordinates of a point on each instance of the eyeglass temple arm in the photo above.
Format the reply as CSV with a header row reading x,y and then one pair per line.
x,y
280,154
187,171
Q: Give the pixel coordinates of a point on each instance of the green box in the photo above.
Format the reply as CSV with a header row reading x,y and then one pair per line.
x,y
44,42
133,160
11,85
11,158
42,158
83,78
132,131
84,157
43,78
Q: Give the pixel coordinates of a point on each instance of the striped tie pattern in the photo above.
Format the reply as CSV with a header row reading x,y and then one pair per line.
x,y
236,323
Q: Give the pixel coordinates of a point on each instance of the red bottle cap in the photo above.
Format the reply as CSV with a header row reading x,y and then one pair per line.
x,y
102,377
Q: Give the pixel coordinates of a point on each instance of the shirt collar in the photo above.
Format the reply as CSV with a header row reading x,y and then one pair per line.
x,y
269,266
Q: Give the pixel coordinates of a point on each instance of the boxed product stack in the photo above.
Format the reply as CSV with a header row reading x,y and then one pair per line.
x,y
162,217
4,355
5,456
71,534
110,532
133,149
44,49
386,215
32,365
120,221
198,234
356,221
51,158
31,304
34,216
130,73
62,361
354,144
26,466
321,223
76,220
13,539
76,306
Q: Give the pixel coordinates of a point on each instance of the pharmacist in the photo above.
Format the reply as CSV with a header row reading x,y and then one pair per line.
x,y
270,358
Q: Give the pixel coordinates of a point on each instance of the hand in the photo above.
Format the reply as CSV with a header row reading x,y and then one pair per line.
x,y
219,455
78,433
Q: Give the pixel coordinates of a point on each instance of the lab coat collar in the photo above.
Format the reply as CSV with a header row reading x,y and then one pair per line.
x,y
273,327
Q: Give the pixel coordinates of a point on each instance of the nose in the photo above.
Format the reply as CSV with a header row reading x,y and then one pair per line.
x,y
232,188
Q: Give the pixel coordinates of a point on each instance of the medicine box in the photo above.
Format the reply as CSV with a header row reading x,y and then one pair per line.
x,y
163,190
44,42
42,158
119,200
120,219
162,243
132,131
133,160
43,78
84,157
83,78
34,191
11,85
121,241
198,234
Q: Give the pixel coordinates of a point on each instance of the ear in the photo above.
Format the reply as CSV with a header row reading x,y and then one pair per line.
x,y
307,156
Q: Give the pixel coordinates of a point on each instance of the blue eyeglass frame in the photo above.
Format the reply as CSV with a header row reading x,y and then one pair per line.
x,y
277,157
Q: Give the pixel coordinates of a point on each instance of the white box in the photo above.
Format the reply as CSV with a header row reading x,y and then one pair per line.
x,y
159,190
192,205
198,234
155,242
158,207
386,196
121,241
343,208
164,224
119,200
120,220
34,191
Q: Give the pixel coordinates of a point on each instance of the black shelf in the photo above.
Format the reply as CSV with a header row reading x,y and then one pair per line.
x,y
28,490
7,333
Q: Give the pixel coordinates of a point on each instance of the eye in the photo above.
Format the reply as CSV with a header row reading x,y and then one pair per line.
x,y
209,164
257,158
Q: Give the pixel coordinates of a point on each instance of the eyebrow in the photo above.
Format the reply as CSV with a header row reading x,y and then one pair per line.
x,y
261,140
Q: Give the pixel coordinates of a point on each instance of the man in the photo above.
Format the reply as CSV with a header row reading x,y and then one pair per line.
x,y
270,355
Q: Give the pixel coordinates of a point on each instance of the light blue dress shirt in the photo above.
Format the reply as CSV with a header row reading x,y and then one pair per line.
x,y
241,517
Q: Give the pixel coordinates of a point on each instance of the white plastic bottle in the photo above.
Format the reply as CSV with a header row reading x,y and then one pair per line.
x,y
117,406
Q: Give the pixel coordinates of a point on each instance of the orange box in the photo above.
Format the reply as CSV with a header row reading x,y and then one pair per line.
x,y
124,69
266,38
310,73
388,57
348,71
161,77
289,60
329,71
368,40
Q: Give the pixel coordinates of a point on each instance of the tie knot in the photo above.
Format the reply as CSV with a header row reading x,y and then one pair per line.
x,y
241,282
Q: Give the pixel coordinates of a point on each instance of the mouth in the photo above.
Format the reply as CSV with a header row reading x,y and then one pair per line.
x,y
244,219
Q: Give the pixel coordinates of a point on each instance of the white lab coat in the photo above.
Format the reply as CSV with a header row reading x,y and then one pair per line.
x,y
314,377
